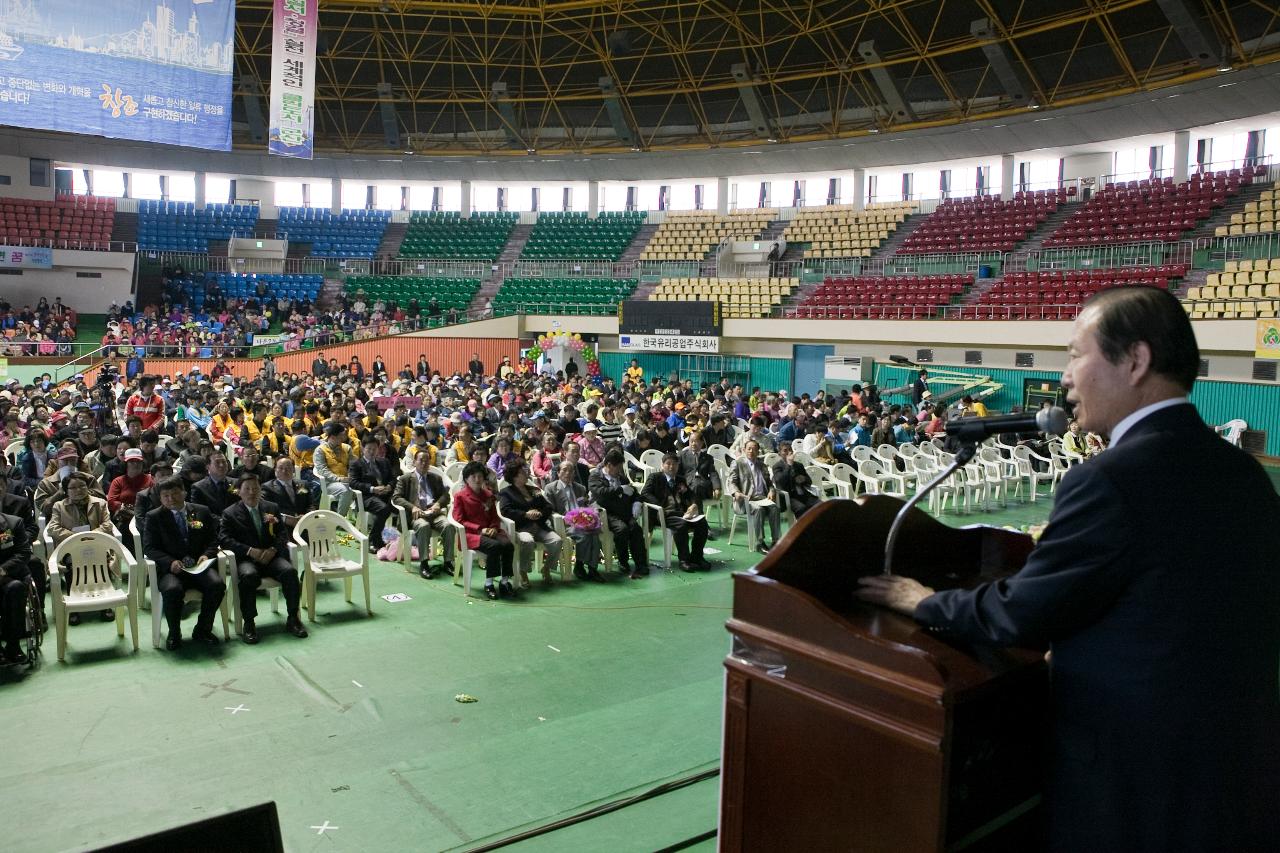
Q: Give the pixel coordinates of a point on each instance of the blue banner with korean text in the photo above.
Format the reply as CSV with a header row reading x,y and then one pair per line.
x,y
147,70
293,77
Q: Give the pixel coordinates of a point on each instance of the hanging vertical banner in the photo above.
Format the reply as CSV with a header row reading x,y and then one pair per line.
x,y
293,78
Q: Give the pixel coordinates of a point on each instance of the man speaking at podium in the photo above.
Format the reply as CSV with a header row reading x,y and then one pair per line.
x,y
1156,585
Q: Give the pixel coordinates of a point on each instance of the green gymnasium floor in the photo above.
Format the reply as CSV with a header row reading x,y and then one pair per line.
x,y
587,694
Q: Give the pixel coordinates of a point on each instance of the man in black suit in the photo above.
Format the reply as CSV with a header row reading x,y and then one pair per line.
x,y
790,476
373,478
253,530
294,497
615,495
573,454
423,496
179,536
149,498
215,491
667,489
13,502
1164,635
15,554
251,463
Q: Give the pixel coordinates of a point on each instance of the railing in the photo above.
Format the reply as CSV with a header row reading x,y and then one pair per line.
x,y
940,312
72,245
1192,169
1102,257
1239,247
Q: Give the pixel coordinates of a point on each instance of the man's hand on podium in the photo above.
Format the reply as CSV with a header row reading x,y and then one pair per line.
x,y
893,591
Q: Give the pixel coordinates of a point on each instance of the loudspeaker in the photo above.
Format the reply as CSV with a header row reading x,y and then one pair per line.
x,y
255,829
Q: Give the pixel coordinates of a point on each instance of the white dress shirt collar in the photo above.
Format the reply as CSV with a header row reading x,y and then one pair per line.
x,y
1129,421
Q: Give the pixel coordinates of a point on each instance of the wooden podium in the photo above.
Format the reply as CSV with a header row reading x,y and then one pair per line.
x,y
849,727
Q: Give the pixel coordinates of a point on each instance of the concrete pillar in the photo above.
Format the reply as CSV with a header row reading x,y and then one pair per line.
x,y
126,179
466,199
1181,154
859,189
201,191
1006,176
335,203
593,199
722,196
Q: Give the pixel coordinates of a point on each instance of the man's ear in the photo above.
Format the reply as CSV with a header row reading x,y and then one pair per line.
x,y
1139,362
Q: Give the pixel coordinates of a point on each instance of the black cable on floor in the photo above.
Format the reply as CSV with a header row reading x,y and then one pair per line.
x,y
608,808
689,842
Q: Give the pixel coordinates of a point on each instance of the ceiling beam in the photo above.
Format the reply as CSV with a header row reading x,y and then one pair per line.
x,y
760,121
896,105
1196,35
1010,74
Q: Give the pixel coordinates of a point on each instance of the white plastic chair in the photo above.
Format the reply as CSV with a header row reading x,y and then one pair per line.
x,y
823,484
12,452
357,504
1232,430
926,469
228,564
1000,474
319,556
1023,457
861,453
879,481
721,454
92,583
668,541
157,611
846,480
453,472
651,461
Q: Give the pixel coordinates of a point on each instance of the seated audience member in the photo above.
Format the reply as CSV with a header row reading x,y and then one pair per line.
x,y
250,462
294,497
425,500
123,494
252,529
78,511
181,537
332,461
217,492
613,493
698,467
14,502
573,453
530,512
566,494
149,498
49,489
545,459
502,456
34,458
750,482
682,513
475,508
372,477
15,559
789,476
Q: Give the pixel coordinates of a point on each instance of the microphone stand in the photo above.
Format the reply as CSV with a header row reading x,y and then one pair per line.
x,y
964,456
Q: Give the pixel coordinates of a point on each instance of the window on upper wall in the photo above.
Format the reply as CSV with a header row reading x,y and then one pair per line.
x,y
321,195
182,188
217,189
288,194
108,183
387,196
144,185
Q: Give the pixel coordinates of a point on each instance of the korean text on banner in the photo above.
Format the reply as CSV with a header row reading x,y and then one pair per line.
x,y
127,69
669,343
293,78
1267,342
27,257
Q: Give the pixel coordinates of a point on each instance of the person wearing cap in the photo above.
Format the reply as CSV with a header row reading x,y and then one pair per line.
x,y
332,460
123,493
181,536
66,461
146,404
591,445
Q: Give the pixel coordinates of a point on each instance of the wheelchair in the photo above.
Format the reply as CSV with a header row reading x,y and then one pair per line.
x,y
35,623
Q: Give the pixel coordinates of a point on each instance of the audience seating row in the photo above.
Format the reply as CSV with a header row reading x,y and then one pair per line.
x,y
739,297
77,221
982,223
1233,309
839,231
1258,217
691,235
182,227
448,292
349,234
1149,210
574,236
919,291
594,296
450,235
1261,271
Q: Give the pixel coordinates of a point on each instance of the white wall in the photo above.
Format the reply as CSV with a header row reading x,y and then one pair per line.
x,y
85,295
264,191
18,169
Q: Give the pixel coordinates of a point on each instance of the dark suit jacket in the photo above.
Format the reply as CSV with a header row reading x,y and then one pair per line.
x,y
215,498
1165,639
148,499
699,466
165,542
15,549
22,507
674,500
406,493
611,497
365,475
514,506
298,504
264,471
238,534
785,477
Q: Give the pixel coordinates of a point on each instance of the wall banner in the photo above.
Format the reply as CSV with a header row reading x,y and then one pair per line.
x,y
293,78
127,69
1267,339
26,257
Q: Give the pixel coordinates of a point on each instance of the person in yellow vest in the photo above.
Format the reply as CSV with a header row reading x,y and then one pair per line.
x,y
973,408
302,451
332,459
220,422
422,443
465,446
276,441
312,420
635,373
277,414
256,424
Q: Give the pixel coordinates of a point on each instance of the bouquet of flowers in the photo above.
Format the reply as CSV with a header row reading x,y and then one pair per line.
x,y
582,520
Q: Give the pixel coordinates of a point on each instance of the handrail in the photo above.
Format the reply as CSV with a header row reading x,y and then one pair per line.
x,y
73,245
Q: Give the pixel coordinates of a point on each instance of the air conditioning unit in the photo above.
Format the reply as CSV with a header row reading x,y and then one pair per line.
x,y
844,368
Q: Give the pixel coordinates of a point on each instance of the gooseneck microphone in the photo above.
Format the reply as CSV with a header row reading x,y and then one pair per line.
x,y
1052,420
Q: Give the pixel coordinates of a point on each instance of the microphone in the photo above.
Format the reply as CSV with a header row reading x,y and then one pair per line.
x,y
1052,420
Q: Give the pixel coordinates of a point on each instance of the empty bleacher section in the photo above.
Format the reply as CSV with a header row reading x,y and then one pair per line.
x,y
739,297
690,235
178,226
1058,294
74,222
1148,210
982,223
840,231
244,287
1258,217
1245,289
562,295
350,234
900,297
573,236
448,292
480,236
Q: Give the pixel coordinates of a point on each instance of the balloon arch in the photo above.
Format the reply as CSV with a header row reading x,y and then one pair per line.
x,y
572,342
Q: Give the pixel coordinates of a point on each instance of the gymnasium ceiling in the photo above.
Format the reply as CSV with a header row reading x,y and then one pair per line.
x,y
441,77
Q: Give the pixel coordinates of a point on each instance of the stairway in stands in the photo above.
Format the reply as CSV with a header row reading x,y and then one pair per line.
x,y
391,240
124,227
509,255
890,247
1043,231
329,292
637,244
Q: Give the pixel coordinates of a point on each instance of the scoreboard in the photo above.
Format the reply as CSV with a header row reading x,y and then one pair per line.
x,y
644,317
